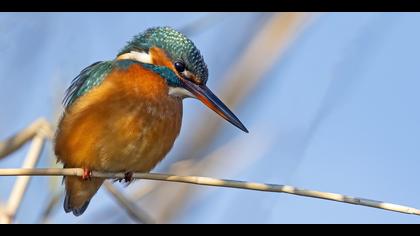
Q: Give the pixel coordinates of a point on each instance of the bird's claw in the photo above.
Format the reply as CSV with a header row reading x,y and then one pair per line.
x,y
128,178
87,174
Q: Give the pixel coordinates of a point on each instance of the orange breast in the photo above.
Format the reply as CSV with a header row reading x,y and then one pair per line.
x,y
128,123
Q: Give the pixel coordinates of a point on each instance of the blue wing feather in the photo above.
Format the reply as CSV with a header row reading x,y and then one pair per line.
x,y
94,74
88,78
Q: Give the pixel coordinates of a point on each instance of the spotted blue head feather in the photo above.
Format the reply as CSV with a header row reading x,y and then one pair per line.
x,y
177,46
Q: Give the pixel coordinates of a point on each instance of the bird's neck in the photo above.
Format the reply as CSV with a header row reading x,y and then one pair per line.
x,y
151,62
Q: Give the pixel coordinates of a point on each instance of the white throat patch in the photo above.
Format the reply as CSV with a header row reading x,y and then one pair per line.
x,y
180,92
143,57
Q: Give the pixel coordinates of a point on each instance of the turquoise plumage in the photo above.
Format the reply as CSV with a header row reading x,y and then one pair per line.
x,y
177,46
93,75
88,78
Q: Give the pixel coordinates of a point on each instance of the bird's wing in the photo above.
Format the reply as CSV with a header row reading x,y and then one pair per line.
x,y
88,78
93,75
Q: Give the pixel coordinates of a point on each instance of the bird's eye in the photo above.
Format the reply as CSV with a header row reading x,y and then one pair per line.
x,y
179,66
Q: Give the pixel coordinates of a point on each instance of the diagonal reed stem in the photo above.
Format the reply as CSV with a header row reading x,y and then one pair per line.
x,y
22,182
132,209
18,140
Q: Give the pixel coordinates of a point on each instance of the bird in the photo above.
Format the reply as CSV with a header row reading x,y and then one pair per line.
x,y
124,115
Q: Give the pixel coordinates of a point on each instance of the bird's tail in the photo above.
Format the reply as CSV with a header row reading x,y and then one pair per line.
x,y
79,192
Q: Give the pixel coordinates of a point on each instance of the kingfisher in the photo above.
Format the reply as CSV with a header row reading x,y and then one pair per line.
x,y
123,115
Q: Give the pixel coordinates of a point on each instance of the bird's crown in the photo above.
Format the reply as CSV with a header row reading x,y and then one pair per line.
x,y
176,45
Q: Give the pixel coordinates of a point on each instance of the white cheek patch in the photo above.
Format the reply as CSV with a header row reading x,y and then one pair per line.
x,y
143,57
180,92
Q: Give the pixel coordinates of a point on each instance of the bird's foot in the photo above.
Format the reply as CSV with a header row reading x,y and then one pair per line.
x,y
87,174
128,178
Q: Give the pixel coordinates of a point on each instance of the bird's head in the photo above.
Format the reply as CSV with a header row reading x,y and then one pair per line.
x,y
180,63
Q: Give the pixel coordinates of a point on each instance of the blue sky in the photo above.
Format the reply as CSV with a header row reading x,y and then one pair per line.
x,y
338,112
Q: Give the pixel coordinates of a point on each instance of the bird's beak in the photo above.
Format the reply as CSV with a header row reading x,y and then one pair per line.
x,y
206,96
